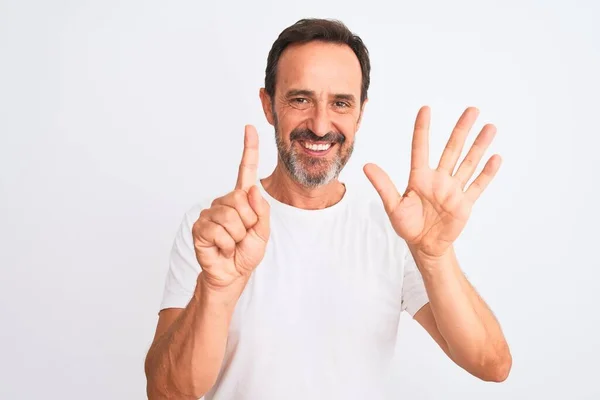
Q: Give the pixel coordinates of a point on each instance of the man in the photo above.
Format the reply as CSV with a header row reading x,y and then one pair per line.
x,y
291,286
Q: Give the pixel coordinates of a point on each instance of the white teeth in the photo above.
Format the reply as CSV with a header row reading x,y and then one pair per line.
x,y
317,147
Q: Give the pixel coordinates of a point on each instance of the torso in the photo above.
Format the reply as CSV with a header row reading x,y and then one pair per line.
x,y
319,317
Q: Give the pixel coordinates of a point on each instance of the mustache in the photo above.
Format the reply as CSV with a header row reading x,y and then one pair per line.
x,y
309,136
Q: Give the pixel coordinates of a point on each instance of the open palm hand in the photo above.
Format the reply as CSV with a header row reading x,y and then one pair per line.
x,y
435,206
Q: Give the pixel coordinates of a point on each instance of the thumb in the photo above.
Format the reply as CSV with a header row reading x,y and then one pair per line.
x,y
261,207
384,186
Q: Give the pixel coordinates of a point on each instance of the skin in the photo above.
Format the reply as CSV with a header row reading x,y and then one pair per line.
x,y
229,241
329,73
430,215
318,89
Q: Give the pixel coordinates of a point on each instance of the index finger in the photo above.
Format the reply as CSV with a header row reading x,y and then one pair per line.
x,y
249,165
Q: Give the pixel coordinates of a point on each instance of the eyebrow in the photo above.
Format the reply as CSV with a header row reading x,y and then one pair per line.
x,y
300,92
347,97
311,93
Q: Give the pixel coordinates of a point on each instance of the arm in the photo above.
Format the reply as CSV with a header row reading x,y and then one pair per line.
x,y
226,243
458,319
189,345
429,216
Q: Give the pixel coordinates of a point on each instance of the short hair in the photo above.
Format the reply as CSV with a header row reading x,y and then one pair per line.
x,y
324,30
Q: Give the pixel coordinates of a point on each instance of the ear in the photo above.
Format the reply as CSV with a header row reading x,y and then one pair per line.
x,y
362,109
267,105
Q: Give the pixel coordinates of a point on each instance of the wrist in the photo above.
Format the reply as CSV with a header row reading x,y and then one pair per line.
x,y
221,296
430,264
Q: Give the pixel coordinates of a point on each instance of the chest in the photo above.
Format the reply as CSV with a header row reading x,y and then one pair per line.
x,y
333,288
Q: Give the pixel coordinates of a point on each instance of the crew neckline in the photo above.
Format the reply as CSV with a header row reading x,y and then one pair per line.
x,y
289,209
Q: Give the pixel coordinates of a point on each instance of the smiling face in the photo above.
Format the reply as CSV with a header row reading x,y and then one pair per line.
x,y
316,110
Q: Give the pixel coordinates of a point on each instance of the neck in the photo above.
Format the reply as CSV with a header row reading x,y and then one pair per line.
x,y
283,188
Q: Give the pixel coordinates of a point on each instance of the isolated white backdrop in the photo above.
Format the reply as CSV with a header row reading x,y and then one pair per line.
x,y
116,117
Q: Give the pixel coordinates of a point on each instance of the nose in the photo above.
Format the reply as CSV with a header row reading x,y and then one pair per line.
x,y
320,122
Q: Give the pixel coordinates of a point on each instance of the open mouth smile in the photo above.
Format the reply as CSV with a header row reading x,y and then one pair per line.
x,y
316,148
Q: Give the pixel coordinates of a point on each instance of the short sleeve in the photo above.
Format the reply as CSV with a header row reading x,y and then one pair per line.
x,y
414,295
184,269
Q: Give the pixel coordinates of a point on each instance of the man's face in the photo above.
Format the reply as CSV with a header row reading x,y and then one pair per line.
x,y
316,110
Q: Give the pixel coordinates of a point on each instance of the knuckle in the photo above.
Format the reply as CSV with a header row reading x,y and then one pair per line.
x,y
452,143
203,217
198,245
478,146
239,196
199,222
198,230
222,236
230,215
248,165
219,200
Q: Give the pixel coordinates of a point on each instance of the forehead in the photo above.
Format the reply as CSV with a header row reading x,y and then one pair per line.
x,y
321,67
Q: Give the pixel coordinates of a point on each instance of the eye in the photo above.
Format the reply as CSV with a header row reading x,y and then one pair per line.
x,y
342,104
300,103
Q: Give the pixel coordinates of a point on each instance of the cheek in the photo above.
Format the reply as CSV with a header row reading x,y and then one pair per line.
x,y
347,126
288,120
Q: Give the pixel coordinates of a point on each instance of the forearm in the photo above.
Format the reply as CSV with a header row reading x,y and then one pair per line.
x,y
473,335
184,362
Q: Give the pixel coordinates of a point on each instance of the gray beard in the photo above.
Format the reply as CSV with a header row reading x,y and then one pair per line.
x,y
296,164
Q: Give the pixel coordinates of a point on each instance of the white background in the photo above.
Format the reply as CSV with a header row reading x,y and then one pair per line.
x,y
116,117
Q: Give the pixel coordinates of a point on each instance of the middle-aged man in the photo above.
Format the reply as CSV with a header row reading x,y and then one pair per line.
x,y
291,286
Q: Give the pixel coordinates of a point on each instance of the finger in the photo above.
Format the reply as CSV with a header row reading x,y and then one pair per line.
x,y
249,165
216,235
420,142
484,178
384,186
261,207
238,199
469,164
457,140
229,219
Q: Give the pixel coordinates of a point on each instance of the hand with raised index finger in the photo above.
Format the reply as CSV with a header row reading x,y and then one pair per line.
x,y
230,237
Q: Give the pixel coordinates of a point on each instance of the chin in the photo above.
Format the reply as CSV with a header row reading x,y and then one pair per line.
x,y
313,181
